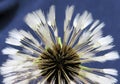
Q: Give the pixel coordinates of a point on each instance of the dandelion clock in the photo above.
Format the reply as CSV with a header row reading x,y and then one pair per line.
x,y
44,57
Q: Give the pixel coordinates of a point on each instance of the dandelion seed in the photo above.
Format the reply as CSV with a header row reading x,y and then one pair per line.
x,y
50,59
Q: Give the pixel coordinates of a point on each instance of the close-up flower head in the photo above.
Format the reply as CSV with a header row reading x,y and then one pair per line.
x,y
42,56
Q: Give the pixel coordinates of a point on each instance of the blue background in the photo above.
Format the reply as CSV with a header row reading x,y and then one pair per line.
x,y
12,13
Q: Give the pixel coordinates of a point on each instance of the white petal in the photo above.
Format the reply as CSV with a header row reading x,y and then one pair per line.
x,y
9,50
110,71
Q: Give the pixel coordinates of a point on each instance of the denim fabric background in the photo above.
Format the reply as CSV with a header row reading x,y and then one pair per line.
x,y
12,14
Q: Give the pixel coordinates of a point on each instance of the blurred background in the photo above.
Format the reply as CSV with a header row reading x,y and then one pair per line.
x,y
12,13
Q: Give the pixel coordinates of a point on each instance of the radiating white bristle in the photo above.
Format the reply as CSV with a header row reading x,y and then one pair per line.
x,y
41,16
68,16
75,22
13,41
96,37
4,70
11,63
109,56
36,72
84,37
69,12
85,19
26,81
102,48
16,34
16,57
32,21
81,22
106,40
98,28
30,36
14,38
102,43
88,55
112,79
9,50
100,79
94,25
9,80
51,16
72,82
110,71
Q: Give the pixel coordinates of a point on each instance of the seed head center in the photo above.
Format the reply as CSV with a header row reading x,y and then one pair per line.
x,y
59,60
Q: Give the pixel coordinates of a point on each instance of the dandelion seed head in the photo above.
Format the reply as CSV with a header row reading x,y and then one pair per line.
x,y
63,60
49,59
